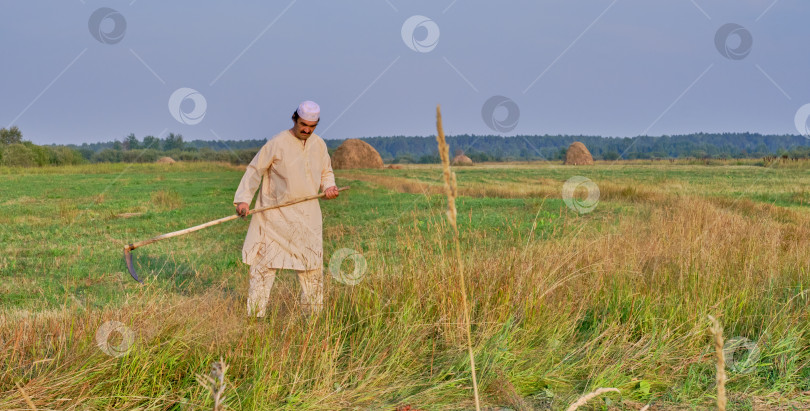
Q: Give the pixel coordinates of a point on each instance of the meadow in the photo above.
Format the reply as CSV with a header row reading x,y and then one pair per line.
x,y
561,302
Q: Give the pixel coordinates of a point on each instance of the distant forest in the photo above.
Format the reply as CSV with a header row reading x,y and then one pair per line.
x,y
14,151
405,149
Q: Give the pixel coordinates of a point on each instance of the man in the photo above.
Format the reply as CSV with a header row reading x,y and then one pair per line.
x,y
293,164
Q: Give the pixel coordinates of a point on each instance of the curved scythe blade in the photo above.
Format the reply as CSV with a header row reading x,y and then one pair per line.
x,y
130,265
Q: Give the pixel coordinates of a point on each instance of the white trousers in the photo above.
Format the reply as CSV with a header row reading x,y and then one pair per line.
x,y
261,282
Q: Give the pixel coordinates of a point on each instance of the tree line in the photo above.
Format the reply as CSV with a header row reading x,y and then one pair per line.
x,y
403,149
14,151
151,148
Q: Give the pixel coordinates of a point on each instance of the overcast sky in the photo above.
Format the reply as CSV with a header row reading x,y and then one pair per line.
x,y
73,72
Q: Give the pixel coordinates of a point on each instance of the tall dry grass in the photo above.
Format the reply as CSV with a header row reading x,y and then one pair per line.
x,y
451,188
541,188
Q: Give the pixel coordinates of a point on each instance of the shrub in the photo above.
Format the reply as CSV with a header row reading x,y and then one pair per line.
x,y
107,156
61,155
18,155
87,153
244,156
42,155
150,155
188,156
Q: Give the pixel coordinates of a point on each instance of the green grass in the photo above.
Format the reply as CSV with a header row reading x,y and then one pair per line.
x,y
63,238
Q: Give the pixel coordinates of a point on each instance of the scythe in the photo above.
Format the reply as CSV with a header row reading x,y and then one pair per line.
x,y
128,249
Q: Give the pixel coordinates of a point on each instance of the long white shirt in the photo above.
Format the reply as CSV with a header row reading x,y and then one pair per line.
x,y
289,237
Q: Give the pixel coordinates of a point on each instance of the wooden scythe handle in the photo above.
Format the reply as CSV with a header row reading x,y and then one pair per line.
x,y
131,247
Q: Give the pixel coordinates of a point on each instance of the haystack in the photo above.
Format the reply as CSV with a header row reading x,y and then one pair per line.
x,y
354,153
578,155
462,160
165,160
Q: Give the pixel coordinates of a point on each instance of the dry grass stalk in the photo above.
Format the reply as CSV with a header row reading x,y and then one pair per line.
x,y
717,332
589,396
26,397
450,187
215,382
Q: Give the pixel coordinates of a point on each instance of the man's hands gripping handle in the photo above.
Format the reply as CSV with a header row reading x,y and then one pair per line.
x,y
331,193
242,209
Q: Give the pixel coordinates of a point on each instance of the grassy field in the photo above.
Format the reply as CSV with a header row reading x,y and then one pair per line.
x,y
562,302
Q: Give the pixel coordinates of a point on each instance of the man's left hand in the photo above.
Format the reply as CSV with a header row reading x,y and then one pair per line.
x,y
331,193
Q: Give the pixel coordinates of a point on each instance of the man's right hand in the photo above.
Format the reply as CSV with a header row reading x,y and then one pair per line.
x,y
242,209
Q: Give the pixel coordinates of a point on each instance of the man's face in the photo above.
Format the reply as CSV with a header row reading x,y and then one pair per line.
x,y
303,129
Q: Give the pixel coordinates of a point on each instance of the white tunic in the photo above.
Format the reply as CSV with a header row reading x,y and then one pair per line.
x,y
289,237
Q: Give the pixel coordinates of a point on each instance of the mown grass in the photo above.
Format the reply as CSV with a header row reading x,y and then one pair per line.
x,y
561,303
